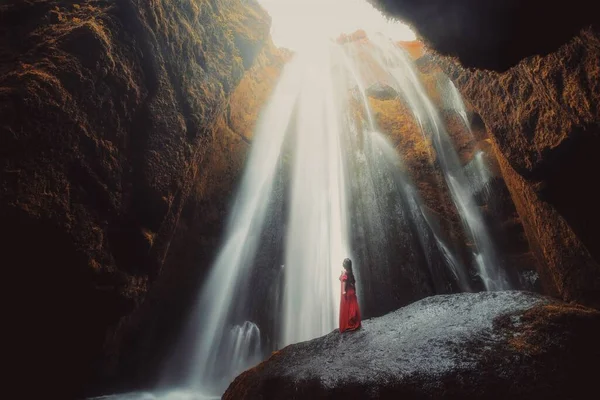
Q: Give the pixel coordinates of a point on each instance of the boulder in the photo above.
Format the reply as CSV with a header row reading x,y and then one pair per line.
x,y
492,345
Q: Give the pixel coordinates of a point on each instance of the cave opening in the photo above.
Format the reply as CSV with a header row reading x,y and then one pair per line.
x,y
177,198
327,178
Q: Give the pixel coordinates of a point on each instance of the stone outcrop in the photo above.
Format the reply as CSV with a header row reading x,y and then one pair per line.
x,y
543,117
113,136
498,345
494,34
254,90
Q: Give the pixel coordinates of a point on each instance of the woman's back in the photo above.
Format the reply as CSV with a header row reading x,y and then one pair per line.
x,y
349,311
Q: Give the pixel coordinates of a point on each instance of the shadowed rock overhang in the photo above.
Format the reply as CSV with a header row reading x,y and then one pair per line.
x,y
493,34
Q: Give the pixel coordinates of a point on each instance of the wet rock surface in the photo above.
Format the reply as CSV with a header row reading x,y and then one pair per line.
x,y
472,144
475,149
493,345
543,117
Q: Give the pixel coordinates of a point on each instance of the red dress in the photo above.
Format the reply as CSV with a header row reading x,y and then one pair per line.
x,y
349,311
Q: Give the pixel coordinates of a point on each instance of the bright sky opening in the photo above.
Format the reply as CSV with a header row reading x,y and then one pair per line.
x,y
298,23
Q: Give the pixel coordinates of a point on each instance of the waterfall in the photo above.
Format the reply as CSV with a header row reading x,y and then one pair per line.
x,y
454,101
317,231
345,194
479,175
214,316
404,78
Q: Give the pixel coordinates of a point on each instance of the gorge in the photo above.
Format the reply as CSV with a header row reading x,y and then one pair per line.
x,y
178,194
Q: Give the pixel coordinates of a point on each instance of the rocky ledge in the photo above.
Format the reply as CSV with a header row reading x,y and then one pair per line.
x,y
492,345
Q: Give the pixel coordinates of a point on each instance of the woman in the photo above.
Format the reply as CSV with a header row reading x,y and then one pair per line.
x,y
349,312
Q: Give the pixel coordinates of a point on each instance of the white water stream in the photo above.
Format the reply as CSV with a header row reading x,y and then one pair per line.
x,y
309,111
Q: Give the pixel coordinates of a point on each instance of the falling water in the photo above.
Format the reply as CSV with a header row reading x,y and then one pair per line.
x,y
317,233
245,349
477,171
454,101
222,288
479,175
391,241
213,330
405,79
346,195
427,230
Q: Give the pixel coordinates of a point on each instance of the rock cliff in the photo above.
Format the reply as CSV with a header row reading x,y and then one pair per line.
x,y
543,116
114,135
538,99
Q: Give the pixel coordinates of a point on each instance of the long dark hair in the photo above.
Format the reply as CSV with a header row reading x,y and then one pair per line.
x,y
347,264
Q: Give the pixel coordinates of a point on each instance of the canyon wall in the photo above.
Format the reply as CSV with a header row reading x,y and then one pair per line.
x,y
124,126
422,168
143,342
119,149
536,88
474,147
544,118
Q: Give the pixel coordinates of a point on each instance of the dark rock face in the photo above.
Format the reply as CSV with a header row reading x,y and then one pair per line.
x,y
495,345
493,34
145,339
108,114
543,117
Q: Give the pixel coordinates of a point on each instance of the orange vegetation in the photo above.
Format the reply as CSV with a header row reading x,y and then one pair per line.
x,y
398,122
415,48
254,90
